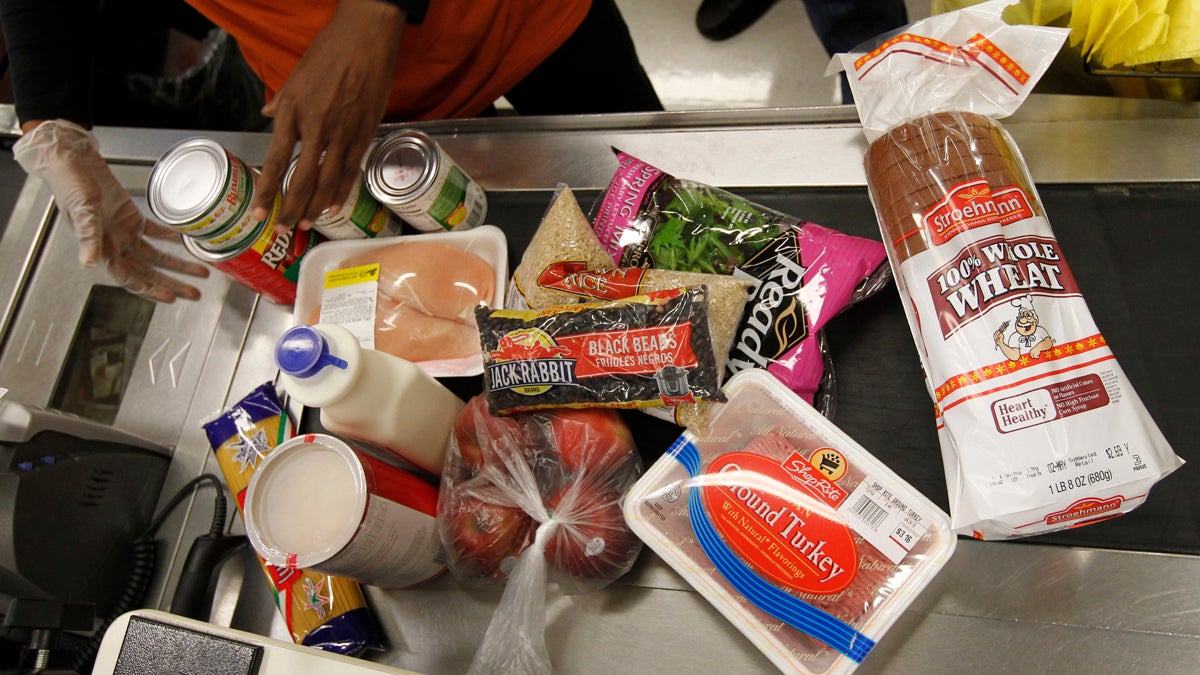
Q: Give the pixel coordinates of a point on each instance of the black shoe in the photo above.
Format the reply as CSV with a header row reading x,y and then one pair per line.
x,y
722,19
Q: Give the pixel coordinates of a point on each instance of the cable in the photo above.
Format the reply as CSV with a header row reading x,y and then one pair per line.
x,y
144,557
220,507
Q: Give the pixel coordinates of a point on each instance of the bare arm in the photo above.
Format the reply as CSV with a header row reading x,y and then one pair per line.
x,y
331,104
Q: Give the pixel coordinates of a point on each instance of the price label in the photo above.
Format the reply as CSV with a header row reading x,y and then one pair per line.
x,y
882,517
348,300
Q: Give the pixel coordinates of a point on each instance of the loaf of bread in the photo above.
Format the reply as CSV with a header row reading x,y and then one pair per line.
x,y
1018,371
915,165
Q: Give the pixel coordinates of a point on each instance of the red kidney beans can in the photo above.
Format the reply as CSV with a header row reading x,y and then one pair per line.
x,y
408,172
269,263
319,503
361,216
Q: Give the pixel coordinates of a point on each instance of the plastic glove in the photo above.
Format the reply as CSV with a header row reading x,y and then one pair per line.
x,y
332,103
110,228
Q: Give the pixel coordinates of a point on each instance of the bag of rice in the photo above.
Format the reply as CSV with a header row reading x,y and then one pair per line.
x,y
566,264
563,235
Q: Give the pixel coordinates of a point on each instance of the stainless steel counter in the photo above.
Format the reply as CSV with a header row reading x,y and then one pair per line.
x,y
997,607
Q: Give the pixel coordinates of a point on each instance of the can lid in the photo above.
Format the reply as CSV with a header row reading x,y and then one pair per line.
x,y
401,165
305,502
303,352
188,180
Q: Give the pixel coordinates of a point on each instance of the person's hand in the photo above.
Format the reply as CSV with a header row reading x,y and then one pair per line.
x,y
109,226
332,103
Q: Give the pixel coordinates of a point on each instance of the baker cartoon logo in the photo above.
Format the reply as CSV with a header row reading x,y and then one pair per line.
x,y
1027,335
529,362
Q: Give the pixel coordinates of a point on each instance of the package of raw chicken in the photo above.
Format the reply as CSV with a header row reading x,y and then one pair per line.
x,y
412,296
1039,427
801,538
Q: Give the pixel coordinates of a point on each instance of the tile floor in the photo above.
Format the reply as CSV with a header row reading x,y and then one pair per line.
x,y
777,62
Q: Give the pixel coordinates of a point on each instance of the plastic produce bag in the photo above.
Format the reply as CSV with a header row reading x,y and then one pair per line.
x,y
1039,427
529,499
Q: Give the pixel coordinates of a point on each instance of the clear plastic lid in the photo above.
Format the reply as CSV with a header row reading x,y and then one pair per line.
x,y
291,524
801,538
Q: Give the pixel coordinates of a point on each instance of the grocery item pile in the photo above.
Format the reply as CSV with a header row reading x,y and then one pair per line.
x,y
704,309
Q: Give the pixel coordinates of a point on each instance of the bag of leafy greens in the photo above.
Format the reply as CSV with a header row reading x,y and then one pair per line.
x,y
803,274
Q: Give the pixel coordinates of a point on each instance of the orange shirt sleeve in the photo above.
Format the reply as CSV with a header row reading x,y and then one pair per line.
x,y
464,56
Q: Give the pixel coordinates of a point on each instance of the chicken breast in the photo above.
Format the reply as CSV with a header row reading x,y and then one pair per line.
x,y
435,279
416,336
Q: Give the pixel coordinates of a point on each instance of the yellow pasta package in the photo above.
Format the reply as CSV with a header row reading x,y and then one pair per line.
x,y
321,610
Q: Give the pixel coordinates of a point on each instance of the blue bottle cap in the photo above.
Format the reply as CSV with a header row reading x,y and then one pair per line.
x,y
302,352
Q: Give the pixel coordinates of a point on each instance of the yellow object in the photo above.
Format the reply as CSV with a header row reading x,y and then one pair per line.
x,y
1117,33
1046,12
1104,15
307,599
1182,39
1160,35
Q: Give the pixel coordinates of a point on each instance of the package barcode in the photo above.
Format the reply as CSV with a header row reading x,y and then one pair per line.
x,y
440,558
872,514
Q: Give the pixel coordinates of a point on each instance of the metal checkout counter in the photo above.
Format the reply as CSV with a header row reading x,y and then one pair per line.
x,y
1120,180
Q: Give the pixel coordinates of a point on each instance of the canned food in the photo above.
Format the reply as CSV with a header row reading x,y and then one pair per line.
x,y
361,216
204,192
408,172
268,263
239,232
362,518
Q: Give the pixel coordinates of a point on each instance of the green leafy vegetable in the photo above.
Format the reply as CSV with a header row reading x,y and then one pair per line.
x,y
706,229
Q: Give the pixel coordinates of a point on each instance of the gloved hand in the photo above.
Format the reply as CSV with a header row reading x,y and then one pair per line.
x,y
109,226
332,103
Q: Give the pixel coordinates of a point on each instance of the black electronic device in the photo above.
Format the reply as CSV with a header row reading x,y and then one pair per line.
x,y
74,495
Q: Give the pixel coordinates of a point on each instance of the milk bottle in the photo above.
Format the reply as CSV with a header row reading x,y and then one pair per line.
x,y
367,394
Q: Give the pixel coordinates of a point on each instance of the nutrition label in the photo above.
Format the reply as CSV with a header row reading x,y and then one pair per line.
x,y
883,517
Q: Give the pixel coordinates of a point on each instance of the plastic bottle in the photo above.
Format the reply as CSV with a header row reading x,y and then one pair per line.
x,y
367,394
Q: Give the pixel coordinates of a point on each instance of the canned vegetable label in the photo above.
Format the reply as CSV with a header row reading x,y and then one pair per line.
x,y
269,263
199,188
362,518
361,216
410,173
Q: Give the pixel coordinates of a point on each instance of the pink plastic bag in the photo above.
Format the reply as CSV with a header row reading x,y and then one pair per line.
x,y
804,273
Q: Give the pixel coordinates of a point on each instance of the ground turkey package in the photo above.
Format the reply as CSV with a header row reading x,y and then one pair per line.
x,y
801,538
1040,428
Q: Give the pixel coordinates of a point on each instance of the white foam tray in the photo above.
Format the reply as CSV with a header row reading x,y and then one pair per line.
x,y
486,241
